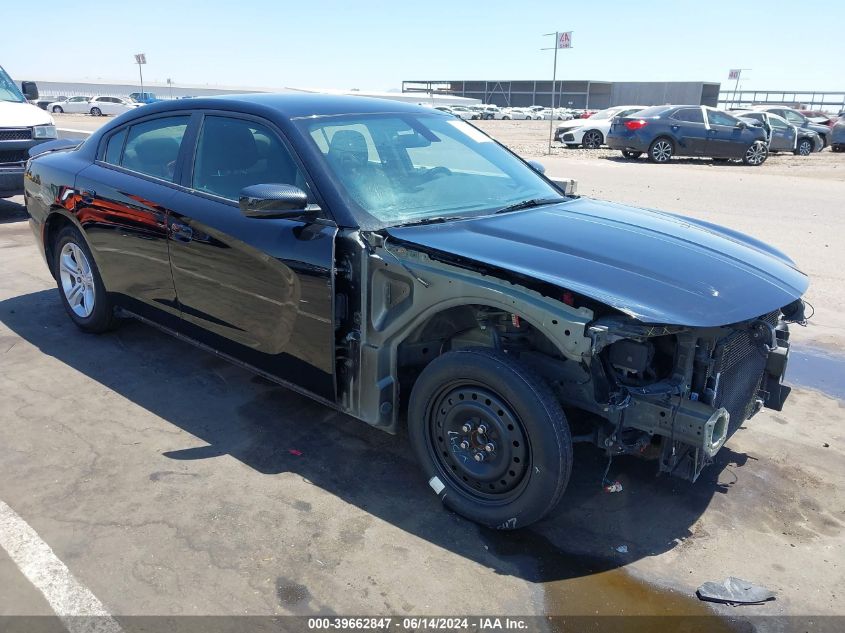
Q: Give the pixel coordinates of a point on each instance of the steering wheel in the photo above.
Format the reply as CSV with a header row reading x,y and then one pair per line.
x,y
435,172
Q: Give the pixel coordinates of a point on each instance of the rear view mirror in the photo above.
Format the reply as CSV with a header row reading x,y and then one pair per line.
x,y
273,201
30,90
410,140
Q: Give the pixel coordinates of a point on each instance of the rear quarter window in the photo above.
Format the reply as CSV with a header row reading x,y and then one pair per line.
x,y
651,112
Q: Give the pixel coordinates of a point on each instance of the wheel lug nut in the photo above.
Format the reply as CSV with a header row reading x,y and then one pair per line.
x,y
479,457
464,445
467,427
482,429
489,447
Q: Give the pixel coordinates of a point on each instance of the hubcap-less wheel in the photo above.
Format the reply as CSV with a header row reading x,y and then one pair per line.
x,y
805,148
756,154
592,140
77,280
661,151
478,442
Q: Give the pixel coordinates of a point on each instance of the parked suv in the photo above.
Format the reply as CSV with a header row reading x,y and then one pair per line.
x,y
22,126
689,130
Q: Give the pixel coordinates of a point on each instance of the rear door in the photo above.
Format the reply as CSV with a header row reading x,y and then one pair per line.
x,y
76,105
257,289
125,196
725,139
687,125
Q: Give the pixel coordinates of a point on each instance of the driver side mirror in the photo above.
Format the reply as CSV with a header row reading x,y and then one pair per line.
x,y
30,90
741,125
275,201
538,167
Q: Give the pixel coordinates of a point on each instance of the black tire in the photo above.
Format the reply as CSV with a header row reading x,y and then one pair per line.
x,y
96,112
756,154
57,109
506,118
523,476
804,147
572,145
592,139
837,148
101,317
661,150
630,155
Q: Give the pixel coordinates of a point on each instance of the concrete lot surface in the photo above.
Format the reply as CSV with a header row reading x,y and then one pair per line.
x,y
170,482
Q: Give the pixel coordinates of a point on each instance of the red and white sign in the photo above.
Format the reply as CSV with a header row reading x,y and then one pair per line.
x,y
733,75
564,40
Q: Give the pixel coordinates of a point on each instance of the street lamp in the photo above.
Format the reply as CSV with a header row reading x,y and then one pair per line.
x,y
141,59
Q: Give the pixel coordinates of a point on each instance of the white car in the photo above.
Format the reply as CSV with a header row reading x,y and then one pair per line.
x,y
464,112
560,114
519,114
592,132
69,104
96,106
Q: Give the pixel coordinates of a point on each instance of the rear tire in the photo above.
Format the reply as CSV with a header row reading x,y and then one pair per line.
x,y
805,147
661,150
80,286
592,139
756,154
96,112
523,474
630,155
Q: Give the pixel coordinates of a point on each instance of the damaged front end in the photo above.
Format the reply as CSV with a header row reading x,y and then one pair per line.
x,y
678,393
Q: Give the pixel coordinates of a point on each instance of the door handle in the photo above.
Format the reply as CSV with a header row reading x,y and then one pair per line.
x,y
181,232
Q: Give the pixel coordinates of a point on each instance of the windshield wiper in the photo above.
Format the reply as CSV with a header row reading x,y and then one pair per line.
x,y
527,204
435,220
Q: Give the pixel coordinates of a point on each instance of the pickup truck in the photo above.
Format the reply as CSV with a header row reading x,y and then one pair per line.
x,y
22,126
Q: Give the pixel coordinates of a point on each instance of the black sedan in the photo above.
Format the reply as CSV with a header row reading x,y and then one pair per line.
x,y
666,131
397,264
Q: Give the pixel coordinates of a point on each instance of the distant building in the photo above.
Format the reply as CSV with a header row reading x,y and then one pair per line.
x,y
573,94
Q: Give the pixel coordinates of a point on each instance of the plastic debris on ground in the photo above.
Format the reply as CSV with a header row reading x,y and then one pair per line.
x,y
734,591
294,451
622,549
614,486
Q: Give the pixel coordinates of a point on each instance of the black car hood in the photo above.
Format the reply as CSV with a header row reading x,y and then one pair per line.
x,y
654,266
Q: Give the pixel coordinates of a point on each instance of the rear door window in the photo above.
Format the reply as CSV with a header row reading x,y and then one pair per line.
x,y
689,115
152,147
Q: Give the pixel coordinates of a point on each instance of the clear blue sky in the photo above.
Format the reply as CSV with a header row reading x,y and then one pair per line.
x,y
375,45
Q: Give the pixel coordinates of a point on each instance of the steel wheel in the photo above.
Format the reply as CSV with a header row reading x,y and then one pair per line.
x,y
478,442
77,280
805,147
592,139
57,109
660,151
756,154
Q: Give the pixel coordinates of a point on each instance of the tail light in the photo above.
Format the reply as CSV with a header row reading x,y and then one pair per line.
x,y
635,125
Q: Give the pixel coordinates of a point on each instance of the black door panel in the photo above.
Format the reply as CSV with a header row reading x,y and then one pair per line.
x,y
128,232
257,289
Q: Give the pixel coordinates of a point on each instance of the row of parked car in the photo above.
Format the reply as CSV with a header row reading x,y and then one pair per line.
x,y
99,105
662,132
531,113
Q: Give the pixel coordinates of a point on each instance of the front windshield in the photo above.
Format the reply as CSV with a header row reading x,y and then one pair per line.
x,y
406,168
605,114
8,90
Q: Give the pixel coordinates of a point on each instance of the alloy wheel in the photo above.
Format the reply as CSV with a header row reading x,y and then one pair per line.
x,y
661,151
805,148
592,140
77,280
756,154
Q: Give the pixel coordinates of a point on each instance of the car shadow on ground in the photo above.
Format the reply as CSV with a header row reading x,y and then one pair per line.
x,y
685,160
11,211
258,423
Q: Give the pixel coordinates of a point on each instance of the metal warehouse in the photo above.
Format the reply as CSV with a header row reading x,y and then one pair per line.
x,y
570,93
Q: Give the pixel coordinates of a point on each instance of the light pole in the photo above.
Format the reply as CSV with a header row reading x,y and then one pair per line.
x,y
562,40
170,86
141,59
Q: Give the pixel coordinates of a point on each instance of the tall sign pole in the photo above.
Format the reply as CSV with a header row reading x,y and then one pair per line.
x,y
734,74
141,59
562,40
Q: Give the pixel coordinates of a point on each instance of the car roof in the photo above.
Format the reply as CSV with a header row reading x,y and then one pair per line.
x,y
293,105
